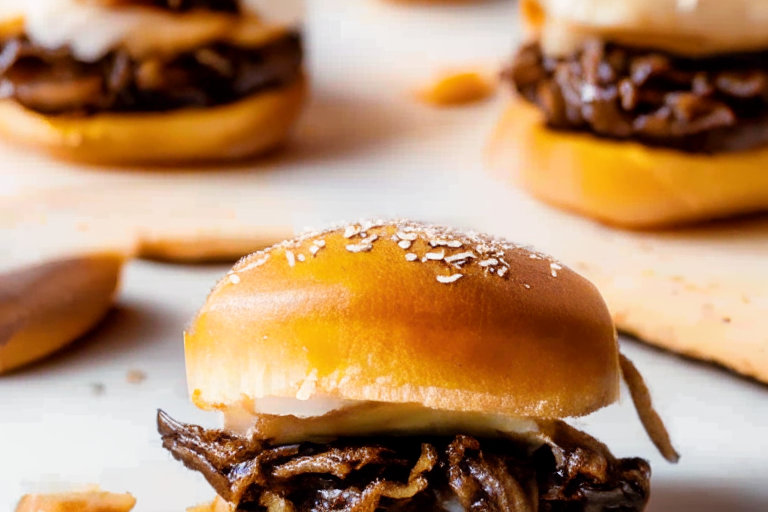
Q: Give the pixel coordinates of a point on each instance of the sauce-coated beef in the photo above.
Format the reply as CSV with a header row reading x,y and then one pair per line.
x,y
54,82
700,105
563,470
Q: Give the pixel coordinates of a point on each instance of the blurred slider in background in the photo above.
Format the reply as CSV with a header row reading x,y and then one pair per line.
x,y
643,114
152,81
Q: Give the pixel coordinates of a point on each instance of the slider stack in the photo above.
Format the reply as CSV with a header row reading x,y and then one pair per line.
x,y
643,113
150,81
392,365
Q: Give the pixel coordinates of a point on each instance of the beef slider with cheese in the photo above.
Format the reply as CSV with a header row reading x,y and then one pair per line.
x,y
643,114
392,365
150,81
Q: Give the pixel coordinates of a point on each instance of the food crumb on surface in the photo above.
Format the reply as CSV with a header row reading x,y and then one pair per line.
x,y
135,377
97,388
460,87
87,501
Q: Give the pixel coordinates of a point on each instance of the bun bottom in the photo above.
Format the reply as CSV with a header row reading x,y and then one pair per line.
x,y
234,131
57,303
627,184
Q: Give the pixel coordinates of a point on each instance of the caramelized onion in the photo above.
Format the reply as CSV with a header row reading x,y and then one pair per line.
x,y
651,420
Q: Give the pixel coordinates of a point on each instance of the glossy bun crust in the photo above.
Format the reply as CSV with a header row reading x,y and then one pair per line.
x,y
233,131
626,183
402,312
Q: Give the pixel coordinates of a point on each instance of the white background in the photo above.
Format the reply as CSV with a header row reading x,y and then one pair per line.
x,y
367,148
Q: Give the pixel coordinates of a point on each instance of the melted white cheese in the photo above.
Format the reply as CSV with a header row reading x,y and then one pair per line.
x,y
91,31
689,26
285,406
286,421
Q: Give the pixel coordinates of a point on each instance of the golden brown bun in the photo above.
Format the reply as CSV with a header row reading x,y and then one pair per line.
x,y
336,315
627,184
43,308
238,130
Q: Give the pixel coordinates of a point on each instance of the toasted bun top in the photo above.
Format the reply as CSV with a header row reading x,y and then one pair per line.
x,y
403,312
692,27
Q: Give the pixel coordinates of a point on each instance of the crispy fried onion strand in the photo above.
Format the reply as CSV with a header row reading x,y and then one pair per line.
x,y
650,419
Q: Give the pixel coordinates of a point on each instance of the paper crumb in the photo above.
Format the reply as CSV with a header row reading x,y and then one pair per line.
x,y
135,377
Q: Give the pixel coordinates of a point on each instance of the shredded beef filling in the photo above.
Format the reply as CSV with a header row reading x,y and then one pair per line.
x,y
568,472
54,82
700,105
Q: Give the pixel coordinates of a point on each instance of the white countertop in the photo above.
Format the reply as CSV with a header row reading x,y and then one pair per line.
x,y
75,419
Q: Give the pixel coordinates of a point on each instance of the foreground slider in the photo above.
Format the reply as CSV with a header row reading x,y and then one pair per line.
x,y
392,365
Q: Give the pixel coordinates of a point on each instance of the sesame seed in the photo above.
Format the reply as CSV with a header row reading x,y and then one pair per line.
x,y
308,387
534,257
359,248
459,257
527,286
449,279
404,244
351,231
555,267
291,258
314,250
454,244
319,243
255,264
394,238
411,257
411,237
489,262
301,257
234,279
502,271
435,256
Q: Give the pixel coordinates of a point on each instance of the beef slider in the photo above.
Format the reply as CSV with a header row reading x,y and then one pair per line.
x,y
150,83
413,395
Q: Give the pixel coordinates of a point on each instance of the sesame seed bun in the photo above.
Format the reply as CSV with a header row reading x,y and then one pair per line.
x,y
627,184
402,312
233,131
